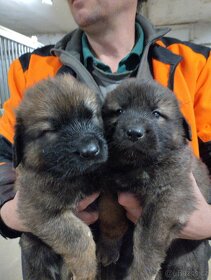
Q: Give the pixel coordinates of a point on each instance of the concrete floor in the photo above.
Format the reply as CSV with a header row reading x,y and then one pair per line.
x,y
10,263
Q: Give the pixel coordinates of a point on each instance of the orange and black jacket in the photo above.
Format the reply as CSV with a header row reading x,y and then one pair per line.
x,y
183,67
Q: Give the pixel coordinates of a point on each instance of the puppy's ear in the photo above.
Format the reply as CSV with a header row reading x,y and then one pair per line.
x,y
187,129
18,143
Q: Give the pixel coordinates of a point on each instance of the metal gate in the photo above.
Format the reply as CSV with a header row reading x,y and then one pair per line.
x,y
12,45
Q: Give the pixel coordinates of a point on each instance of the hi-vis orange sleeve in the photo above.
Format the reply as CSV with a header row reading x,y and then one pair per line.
x,y
40,67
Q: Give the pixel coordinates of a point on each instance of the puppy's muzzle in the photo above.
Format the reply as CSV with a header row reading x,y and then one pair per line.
x,y
89,148
135,133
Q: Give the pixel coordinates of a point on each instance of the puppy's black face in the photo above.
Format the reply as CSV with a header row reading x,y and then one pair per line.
x,y
143,122
63,133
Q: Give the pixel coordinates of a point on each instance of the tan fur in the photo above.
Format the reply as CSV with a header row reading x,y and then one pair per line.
x,y
154,163
55,119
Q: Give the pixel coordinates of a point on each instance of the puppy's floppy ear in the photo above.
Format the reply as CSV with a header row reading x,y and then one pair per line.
x,y
187,129
18,143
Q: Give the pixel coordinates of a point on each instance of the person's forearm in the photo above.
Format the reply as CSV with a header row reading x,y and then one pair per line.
x,y
10,218
198,226
7,178
199,223
9,215
8,227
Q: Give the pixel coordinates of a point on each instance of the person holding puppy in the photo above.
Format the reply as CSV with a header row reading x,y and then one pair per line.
x,y
107,48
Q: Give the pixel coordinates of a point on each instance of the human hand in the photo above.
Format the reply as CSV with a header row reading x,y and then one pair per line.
x,y
87,217
199,223
131,205
10,216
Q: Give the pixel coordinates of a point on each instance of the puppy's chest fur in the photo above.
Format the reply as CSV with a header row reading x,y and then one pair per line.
x,y
150,182
53,194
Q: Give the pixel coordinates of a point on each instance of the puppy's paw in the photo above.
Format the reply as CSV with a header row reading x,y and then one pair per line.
x,y
83,266
108,251
107,258
86,273
84,276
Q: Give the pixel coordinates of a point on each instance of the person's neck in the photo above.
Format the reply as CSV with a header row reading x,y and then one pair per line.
x,y
113,44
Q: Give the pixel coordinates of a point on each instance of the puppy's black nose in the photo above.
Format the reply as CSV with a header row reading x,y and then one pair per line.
x,y
135,133
89,150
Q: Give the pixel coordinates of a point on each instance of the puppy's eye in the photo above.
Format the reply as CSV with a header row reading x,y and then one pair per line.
x,y
119,112
156,114
46,131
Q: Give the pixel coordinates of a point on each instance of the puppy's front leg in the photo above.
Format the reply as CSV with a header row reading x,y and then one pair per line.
x,y
148,252
113,225
153,234
72,239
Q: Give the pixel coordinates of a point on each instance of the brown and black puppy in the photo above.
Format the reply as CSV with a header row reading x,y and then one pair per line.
x,y
150,156
59,145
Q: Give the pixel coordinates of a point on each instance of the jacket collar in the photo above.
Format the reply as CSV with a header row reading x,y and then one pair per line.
x,y
71,45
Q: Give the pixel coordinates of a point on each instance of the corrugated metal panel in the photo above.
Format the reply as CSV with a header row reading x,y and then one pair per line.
x,y
9,50
12,45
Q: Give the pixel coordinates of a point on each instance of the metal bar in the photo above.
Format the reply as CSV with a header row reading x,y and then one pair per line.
x,y
9,51
15,53
4,92
19,38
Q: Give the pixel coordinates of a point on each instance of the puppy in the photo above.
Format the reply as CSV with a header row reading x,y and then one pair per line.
x,y
150,157
59,145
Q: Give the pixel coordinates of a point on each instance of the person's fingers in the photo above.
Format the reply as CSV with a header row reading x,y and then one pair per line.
x,y
88,217
196,189
131,205
84,203
10,216
133,215
128,200
198,225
